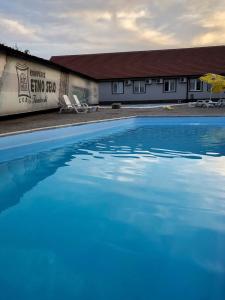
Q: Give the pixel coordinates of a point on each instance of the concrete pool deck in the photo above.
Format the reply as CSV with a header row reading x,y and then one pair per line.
x,y
52,119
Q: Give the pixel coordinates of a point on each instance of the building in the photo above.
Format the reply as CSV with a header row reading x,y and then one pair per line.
x,y
149,76
29,83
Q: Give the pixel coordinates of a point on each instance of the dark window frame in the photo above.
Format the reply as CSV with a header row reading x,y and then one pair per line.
x,y
189,85
144,84
175,90
117,81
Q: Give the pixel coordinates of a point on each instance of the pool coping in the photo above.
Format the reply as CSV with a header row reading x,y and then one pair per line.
x,y
100,121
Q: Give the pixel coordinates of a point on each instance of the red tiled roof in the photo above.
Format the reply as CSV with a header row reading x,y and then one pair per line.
x,y
171,62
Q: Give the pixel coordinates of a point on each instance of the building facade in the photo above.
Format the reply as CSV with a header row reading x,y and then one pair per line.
x,y
147,90
150,76
29,83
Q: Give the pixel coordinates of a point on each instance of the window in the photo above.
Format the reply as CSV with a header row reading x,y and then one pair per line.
x,y
195,85
169,85
117,87
139,87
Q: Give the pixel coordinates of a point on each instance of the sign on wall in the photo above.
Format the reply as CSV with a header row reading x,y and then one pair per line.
x,y
33,85
27,86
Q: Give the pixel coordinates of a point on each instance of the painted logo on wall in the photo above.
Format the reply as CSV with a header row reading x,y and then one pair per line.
x,y
23,80
33,87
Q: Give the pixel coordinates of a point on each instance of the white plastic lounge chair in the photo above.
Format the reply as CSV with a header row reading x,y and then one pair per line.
x,y
220,103
191,104
209,103
202,103
85,105
69,107
198,103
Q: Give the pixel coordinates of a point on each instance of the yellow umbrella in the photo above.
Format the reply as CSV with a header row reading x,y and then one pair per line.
x,y
212,79
216,81
218,88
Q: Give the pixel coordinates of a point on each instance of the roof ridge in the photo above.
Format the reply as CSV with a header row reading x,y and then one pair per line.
x,y
193,61
138,51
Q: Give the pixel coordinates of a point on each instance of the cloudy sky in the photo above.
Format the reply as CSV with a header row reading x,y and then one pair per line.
x,y
54,27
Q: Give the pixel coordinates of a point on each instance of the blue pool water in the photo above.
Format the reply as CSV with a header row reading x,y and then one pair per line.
x,y
135,213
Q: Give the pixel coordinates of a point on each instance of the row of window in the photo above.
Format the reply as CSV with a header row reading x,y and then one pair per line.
x,y
169,86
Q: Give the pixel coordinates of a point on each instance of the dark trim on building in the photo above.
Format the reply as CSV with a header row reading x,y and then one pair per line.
x,y
167,101
151,77
142,101
187,89
138,78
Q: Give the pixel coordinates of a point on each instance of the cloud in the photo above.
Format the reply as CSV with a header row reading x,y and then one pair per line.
x,y
15,30
118,30
206,18
215,30
74,26
15,26
129,21
87,15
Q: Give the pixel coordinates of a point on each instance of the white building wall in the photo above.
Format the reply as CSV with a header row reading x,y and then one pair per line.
x,y
86,90
27,86
2,64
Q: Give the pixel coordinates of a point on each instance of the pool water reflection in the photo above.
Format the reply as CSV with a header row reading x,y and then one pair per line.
x,y
135,215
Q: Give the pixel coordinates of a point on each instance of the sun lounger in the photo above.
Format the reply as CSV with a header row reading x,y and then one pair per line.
x,y
85,105
191,104
209,103
198,103
220,103
67,106
202,103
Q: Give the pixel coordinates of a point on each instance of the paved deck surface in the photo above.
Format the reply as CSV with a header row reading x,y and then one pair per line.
x,y
41,120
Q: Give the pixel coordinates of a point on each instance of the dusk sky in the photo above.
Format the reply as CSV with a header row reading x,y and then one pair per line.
x,y
55,27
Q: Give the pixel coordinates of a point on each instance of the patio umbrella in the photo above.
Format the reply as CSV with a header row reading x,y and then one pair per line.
x,y
218,88
216,81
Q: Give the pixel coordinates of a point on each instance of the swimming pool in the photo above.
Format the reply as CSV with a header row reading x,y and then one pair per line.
x,y
127,209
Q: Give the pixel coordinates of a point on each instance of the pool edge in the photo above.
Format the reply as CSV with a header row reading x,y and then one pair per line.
x,y
100,121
